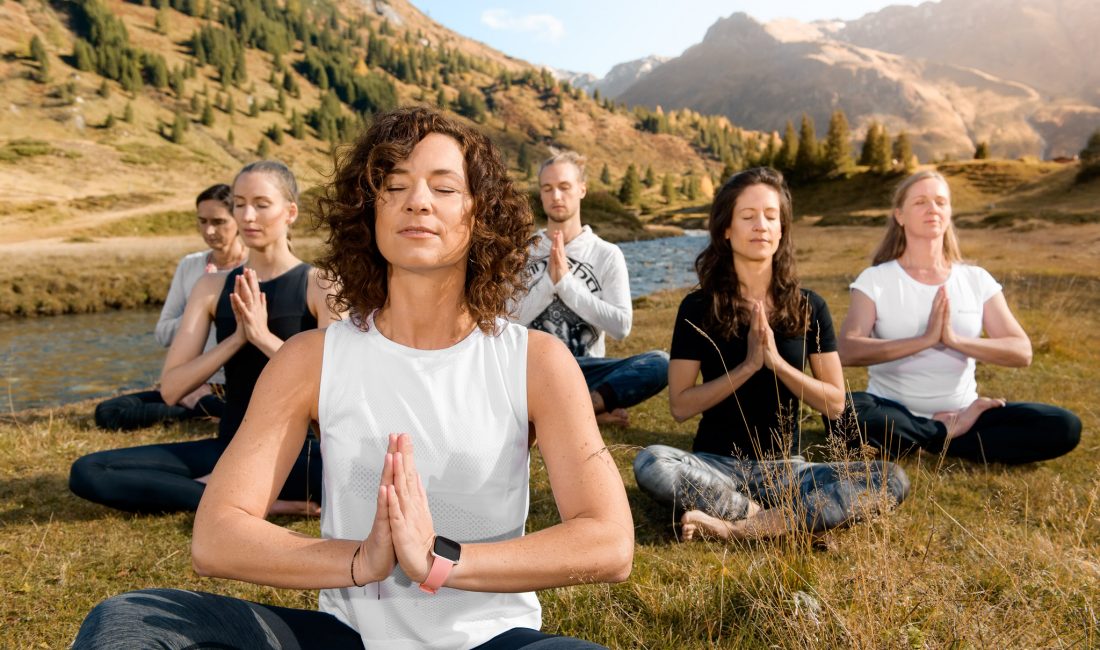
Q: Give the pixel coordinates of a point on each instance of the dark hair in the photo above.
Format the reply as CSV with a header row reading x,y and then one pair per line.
x,y
220,192
501,231
718,277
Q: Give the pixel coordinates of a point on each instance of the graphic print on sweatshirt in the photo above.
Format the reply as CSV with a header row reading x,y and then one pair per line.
x,y
561,321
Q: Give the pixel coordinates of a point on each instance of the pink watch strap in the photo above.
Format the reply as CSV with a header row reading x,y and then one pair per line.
x,y
441,568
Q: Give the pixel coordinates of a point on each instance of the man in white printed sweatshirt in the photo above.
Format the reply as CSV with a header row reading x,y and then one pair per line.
x,y
579,290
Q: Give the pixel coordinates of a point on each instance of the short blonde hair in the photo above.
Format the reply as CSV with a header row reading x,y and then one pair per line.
x,y
571,157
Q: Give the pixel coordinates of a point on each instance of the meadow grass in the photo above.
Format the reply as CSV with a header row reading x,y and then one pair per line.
x,y
976,557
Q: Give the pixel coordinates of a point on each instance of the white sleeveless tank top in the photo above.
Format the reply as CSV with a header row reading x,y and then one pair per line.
x,y
466,410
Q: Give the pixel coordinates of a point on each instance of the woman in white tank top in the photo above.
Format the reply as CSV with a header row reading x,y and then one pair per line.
x,y
427,400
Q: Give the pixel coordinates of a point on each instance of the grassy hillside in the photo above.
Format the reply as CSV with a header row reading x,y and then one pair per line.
x,y
81,149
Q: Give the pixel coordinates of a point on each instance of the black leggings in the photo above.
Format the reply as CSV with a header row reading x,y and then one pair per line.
x,y
1018,432
177,619
144,409
161,478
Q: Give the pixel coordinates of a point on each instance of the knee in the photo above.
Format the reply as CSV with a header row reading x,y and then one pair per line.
x,y
1066,434
122,612
896,480
652,463
110,414
89,477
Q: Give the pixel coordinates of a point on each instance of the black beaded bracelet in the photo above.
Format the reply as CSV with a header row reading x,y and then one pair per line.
x,y
355,556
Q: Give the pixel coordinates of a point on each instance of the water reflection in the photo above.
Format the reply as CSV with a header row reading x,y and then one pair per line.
x,y
62,359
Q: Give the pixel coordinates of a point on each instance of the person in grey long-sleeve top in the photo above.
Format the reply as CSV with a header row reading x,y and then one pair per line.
x,y
215,222
579,291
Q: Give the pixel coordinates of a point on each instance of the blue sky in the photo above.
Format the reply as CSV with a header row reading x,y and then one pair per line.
x,y
593,35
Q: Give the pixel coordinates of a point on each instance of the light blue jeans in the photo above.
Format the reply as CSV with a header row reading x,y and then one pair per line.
x,y
818,496
622,383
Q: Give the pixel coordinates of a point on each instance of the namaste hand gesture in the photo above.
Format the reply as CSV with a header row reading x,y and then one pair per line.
x,y
402,532
250,308
939,322
559,263
761,346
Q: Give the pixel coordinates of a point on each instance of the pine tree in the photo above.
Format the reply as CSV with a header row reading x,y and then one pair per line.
x,y
104,89
160,22
276,134
668,188
631,189
128,113
903,153
981,152
523,159
207,114
42,58
441,99
788,151
297,126
882,159
650,178
866,154
806,160
229,137
263,152
1090,159
230,109
110,122
179,126
605,175
838,153
83,56
728,170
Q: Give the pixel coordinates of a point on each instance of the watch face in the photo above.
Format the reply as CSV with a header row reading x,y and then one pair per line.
x,y
447,549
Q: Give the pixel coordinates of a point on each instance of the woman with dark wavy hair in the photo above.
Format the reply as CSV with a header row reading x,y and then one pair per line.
x,y
417,549
749,330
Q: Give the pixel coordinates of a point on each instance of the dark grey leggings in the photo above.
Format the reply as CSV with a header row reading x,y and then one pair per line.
x,y
174,619
1018,432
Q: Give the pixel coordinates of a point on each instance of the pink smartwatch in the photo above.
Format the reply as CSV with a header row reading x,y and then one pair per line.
x,y
445,554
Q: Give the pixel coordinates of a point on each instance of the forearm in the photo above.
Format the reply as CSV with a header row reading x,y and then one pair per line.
x,y
1010,351
613,316
581,550
178,381
822,396
696,399
268,343
867,351
235,544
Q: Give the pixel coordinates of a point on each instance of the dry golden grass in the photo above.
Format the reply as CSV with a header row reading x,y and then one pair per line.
x,y
977,557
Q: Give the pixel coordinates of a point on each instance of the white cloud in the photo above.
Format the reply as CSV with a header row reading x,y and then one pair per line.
x,y
545,27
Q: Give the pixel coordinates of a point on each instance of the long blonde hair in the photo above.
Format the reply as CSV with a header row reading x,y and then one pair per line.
x,y
893,242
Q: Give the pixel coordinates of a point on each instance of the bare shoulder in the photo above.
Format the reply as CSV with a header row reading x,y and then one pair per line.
x,y
545,352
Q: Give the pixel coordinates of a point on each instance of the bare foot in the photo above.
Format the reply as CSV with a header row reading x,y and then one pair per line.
x,y
696,523
618,416
961,421
294,508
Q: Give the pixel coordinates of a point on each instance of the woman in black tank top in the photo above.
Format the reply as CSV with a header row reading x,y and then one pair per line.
x,y
254,309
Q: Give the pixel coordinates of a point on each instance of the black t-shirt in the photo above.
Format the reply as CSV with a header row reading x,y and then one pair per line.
x,y
770,409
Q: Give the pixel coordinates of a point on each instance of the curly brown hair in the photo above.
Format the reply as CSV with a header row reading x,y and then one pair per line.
x,y
501,232
718,278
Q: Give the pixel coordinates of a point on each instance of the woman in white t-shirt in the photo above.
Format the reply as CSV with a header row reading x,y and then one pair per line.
x,y
428,238
916,319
